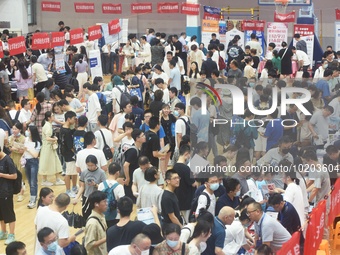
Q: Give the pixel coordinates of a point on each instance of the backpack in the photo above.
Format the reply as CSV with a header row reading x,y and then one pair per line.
x,y
221,63
124,96
111,211
191,130
102,103
16,117
121,159
106,149
242,140
17,183
74,82
194,205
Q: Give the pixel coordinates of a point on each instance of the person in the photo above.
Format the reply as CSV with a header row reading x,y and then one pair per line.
x,y
268,230
46,197
51,217
79,133
173,93
209,65
32,148
274,131
39,76
103,135
231,197
23,77
25,112
300,44
196,55
332,63
95,229
255,44
276,61
162,86
175,75
214,40
93,108
180,125
263,250
323,85
320,71
157,52
48,240
286,60
201,121
302,59
4,81
140,244
125,230
38,113
171,244
127,53
88,183
169,203
211,184
82,69
7,215
156,104
249,71
235,52
16,248
331,159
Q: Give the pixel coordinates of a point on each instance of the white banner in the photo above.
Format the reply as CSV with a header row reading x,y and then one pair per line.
x,y
337,36
59,59
230,36
277,33
95,64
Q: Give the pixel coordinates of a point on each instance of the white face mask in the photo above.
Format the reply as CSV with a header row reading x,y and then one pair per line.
x,y
238,193
146,252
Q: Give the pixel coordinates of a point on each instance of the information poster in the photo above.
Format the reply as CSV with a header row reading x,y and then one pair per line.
x,y
59,59
337,36
95,64
209,27
277,33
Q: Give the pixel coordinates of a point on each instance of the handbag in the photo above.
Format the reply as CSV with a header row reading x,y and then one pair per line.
x,y
106,149
74,219
54,146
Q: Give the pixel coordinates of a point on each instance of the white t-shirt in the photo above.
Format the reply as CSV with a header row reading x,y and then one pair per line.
x,y
99,138
39,72
93,107
180,127
12,113
126,143
163,75
202,203
293,195
301,55
234,238
76,104
116,94
120,250
139,179
24,115
82,155
31,146
2,138
255,45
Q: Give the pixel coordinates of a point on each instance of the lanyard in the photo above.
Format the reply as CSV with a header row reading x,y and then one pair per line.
x,y
260,226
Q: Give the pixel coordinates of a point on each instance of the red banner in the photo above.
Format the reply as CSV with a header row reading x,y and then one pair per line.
x,y
190,9
335,202
95,32
141,8
47,6
112,8
337,14
303,30
1,50
292,246
40,41
76,36
315,228
84,7
57,39
251,25
114,27
16,45
284,17
167,7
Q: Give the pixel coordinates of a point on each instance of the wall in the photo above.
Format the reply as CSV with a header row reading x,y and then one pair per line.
x,y
14,11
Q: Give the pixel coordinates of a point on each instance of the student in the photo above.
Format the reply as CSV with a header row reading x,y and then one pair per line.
x,y
103,134
78,135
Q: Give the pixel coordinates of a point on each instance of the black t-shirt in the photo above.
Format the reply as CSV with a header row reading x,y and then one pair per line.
x,y
78,140
155,107
6,167
178,46
185,186
116,236
169,204
166,124
131,156
152,144
332,170
66,141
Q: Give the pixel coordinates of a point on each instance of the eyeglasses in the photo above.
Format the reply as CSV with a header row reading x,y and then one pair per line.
x,y
176,178
248,213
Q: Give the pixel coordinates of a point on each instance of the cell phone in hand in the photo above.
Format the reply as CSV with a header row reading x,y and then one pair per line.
x,y
79,232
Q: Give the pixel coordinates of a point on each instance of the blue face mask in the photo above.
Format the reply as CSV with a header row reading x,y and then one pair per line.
x,y
171,243
176,113
251,84
238,193
52,247
27,133
214,186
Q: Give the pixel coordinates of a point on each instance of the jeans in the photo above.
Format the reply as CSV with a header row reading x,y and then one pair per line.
x,y
114,58
31,168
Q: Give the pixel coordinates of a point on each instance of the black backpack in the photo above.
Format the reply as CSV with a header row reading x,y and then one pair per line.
x,y
242,141
17,183
102,104
74,82
106,149
124,96
191,130
194,205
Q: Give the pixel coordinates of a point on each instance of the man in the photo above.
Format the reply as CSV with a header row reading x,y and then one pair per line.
x,y
173,92
16,248
7,215
235,52
145,52
274,130
180,125
302,59
267,229
78,135
169,203
334,81
254,44
184,55
201,121
231,197
215,243
25,112
67,151
95,229
93,108
209,65
140,245
127,109
323,85
46,60
332,161
51,217
90,143
61,26
243,166
214,40
178,45
103,135
288,216
48,242
329,49
175,76
210,186
332,63
300,44
151,35
39,75
290,129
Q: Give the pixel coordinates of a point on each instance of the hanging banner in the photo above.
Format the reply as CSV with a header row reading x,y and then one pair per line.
x,y
230,36
76,36
284,17
59,59
337,35
335,203
1,50
307,34
277,33
255,25
315,228
84,7
222,30
95,64
95,32
141,8
211,13
57,39
16,45
40,41
337,14
112,8
190,9
114,27
209,27
259,35
167,7
47,6
292,246
303,29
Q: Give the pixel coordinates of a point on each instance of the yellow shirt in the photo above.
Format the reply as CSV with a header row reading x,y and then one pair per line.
x,y
93,232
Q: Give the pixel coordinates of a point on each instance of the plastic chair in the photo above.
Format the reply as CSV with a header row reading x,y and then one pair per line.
x,y
17,107
33,103
324,246
336,239
319,252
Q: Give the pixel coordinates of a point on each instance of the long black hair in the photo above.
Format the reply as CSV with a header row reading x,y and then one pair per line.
x,y
44,192
22,69
35,137
41,99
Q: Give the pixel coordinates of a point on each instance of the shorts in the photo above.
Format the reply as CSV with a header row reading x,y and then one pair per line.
x,y
22,93
260,143
7,213
71,168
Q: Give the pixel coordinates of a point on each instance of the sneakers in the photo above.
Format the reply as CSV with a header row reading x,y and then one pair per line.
x,y
75,189
3,235
10,239
71,194
59,182
31,205
20,198
46,183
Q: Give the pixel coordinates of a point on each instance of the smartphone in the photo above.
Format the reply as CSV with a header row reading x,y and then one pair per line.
x,y
79,232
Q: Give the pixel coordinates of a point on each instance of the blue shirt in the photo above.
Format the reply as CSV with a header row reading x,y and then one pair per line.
x,y
160,133
274,132
175,75
324,87
289,218
225,200
139,115
202,124
217,237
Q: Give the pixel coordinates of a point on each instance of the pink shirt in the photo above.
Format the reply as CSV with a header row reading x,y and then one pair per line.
x,y
23,84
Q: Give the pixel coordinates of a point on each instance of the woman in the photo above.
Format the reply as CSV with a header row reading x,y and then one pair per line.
x,y
75,104
267,70
23,76
158,73
39,111
168,121
171,245
249,71
286,60
203,49
81,68
318,75
128,53
316,98
202,232
5,88
16,146
276,61
156,105
88,182
84,53
49,163
46,196
169,47
5,122
194,72
32,148
11,68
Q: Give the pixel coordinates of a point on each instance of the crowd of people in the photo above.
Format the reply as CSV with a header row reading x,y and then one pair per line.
x,y
139,138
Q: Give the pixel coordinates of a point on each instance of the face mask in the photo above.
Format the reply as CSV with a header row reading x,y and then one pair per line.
x,y
17,135
171,243
27,133
251,84
176,113
252,64
146,252
52,247
325,66
246,225
285,151
214,186
270,81
238,193
203,246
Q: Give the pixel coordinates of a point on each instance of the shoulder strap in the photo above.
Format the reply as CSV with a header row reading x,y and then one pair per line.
x,y
183,248
121,91
103,136
105,184
208,200
17,115
284,52
101,224
187,229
